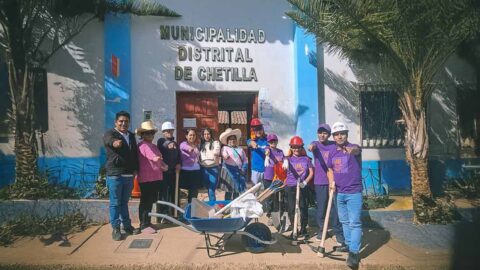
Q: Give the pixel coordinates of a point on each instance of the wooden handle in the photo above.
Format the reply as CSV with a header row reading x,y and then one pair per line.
x,y
177,179
327,217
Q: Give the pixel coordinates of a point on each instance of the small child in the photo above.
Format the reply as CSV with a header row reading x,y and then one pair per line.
x,y
299,169
234,162
273,155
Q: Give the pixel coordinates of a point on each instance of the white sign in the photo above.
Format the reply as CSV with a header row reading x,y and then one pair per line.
x,y
189,122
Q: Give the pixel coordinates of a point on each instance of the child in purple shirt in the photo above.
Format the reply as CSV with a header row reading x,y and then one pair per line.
x,y
273,155
299,169
321,150
344,163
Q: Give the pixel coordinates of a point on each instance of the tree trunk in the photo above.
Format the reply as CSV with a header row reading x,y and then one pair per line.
x,y
21,91
416,146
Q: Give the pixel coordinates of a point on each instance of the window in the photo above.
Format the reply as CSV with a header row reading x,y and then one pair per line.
x,y
468,109
147,115
378,115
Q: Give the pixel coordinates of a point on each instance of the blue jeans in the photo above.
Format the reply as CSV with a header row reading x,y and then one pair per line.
x,y
349,213
210,180
321,194
120,189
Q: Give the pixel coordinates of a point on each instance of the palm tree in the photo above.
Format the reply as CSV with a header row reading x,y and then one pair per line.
x,y
31,31
409,38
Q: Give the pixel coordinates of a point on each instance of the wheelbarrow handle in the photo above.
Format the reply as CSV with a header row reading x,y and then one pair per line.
x,y
172,205
173,220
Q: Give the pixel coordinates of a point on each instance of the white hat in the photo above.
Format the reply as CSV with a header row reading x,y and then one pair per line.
x,y
146,126
339,126
167,126
229,132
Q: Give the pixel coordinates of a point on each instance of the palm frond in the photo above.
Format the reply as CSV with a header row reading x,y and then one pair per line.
x,y
140,8
413,38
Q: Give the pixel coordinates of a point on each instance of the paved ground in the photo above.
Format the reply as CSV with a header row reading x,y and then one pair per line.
x,y
390,241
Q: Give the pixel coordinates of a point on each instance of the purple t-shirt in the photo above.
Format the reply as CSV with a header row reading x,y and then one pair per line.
x,y
301,165
322,151
347,170
276,155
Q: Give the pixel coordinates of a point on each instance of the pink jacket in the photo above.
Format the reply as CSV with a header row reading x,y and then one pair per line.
x,y
149,170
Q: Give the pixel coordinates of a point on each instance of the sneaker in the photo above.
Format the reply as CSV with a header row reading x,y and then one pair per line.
x,y
353,260
131,230
149,230
116,234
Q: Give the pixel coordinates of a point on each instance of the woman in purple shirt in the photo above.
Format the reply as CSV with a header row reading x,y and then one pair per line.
x,y
190,176
299,169
345,176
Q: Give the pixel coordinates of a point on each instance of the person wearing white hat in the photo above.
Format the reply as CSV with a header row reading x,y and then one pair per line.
x,y
171,156
345,176
150,174
234,162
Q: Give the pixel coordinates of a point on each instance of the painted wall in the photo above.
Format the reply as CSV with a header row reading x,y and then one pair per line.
x,y
341,104
75,110
154,60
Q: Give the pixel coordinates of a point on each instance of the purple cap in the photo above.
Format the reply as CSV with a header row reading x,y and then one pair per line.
x,y
324,127
272,137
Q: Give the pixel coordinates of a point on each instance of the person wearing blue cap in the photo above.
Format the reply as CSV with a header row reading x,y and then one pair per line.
x,y
320,150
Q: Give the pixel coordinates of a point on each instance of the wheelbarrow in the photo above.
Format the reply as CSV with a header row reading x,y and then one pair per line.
x,y
256,236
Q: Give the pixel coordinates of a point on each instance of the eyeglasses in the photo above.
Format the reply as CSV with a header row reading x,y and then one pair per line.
x,y
257,128
148,132
296,147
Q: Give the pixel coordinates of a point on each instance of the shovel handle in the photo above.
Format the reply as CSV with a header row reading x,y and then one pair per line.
x,y
177,177
327,217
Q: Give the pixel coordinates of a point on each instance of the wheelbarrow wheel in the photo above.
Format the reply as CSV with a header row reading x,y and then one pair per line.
x,y
261,231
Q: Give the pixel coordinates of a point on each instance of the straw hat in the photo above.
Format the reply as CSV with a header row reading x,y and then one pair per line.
x,y
146,126
229,132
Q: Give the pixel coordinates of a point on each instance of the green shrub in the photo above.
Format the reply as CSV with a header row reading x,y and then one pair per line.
x,y
37,189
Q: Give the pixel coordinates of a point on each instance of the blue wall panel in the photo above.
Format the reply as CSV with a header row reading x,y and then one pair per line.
x,y
306,86
117,43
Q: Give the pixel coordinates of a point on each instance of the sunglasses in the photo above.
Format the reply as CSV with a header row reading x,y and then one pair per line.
x,y
296,147
148,132
257,128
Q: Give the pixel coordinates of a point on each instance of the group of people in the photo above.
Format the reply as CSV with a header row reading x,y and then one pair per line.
x,y
336,166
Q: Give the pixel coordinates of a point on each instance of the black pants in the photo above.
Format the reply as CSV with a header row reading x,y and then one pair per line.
x,y
290,193
169,179
149,195
321,193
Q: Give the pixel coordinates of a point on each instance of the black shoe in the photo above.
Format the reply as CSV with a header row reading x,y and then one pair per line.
x,y
341,248
131,230
116,234
353,260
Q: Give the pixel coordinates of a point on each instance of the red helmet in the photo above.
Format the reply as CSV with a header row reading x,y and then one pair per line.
x,y
296,140
255,122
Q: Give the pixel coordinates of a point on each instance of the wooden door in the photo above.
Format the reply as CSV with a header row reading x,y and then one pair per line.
x,y
198,107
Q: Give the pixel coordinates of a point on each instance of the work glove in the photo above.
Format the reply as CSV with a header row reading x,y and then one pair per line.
x,y
303,184
267,161
285,164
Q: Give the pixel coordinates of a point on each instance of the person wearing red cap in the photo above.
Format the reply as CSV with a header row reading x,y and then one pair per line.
x,y
257,147
321,150
273,155
299,169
